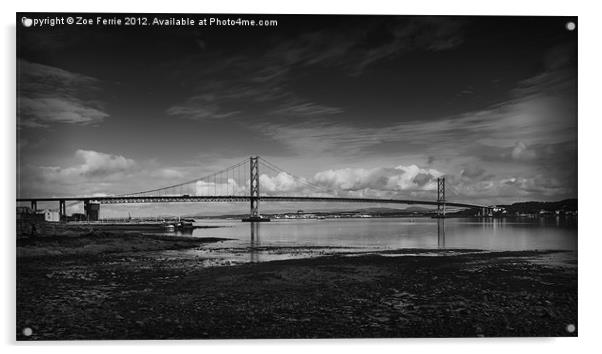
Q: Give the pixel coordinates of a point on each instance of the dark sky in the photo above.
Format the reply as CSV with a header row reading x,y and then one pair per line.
x,y
368,104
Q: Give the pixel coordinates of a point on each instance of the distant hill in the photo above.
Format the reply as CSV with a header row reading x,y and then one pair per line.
x,y
535,207
412,209
415,209
378,210
532,207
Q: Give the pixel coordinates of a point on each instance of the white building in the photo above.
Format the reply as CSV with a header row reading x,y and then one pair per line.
x,y
51,216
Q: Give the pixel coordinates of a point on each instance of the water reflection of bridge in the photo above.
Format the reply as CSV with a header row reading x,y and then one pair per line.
x,y
441,233
255,246
255,242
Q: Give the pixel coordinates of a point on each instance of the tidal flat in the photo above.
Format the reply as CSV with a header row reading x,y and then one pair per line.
x,y
108,286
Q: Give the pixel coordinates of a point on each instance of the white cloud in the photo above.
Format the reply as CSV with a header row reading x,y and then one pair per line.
x,y
97,173
379,181
201,107
282,182
473,184
92,165
258,86
167,173
472,171
40,111
48,95
307,109
508,189
536,119
523,153
227,187
387,182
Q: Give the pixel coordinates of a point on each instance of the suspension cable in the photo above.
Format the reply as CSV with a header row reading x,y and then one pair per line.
x,y
184,183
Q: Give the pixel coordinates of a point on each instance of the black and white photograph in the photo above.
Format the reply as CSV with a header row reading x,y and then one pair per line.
x,y
205,176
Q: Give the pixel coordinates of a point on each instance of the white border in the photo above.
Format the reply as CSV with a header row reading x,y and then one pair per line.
x,y
589,170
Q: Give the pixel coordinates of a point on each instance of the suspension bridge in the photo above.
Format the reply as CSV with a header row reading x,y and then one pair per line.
x,y
243,182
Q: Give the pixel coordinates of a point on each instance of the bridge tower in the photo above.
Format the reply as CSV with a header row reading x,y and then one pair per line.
x,y
441,197
254,191
254,187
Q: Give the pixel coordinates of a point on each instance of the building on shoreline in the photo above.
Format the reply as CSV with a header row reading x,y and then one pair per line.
x,y
28,214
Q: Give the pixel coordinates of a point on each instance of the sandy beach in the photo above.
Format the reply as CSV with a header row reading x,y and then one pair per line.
x,y
107,286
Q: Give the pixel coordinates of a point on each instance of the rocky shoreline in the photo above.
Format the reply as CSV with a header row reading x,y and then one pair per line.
x,y
111,294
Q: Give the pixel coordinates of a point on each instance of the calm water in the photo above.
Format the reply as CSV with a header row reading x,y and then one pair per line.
x,y
282,239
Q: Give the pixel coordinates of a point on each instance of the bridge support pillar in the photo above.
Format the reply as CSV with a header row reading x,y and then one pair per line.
x,y
91,210
441,197
62,210
86,209
34,205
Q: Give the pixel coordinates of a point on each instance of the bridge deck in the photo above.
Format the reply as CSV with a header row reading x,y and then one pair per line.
x,y
188,199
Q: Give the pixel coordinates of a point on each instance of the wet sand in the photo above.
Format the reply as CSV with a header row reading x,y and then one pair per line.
x,y
107,293
101,242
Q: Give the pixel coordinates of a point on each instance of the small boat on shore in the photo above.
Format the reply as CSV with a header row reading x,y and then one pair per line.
x,y
184,224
